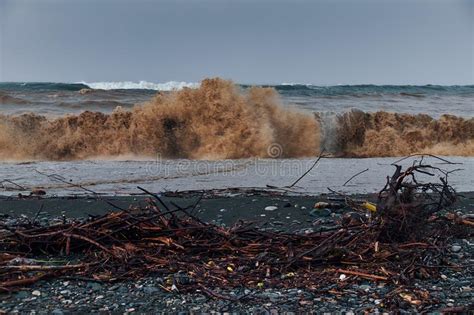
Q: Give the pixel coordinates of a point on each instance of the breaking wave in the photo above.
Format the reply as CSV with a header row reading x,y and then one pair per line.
x,y
142,85
384,134
220,120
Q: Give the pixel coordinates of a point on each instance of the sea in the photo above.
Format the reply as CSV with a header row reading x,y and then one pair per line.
x,y
64,98
110,137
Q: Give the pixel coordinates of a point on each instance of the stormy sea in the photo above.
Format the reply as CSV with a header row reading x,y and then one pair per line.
x,y
216,133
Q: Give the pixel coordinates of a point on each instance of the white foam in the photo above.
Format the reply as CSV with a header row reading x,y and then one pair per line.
x,y
167,86
295,84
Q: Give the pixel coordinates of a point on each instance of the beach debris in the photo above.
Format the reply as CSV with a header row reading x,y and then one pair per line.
x,y
7,184
369,206
321,205
354,176
328,205
38,192
167,240
409,298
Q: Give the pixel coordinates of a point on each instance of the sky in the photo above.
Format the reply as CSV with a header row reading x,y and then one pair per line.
x,y
323,42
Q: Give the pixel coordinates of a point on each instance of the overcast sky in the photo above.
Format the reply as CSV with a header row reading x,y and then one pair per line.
x,y
320,42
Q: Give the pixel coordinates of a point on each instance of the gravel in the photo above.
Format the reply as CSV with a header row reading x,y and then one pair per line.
x,y
452,288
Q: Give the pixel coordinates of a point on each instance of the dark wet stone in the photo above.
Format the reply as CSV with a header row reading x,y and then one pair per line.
x,y
150,290
122,289
320,212
94,286
22,295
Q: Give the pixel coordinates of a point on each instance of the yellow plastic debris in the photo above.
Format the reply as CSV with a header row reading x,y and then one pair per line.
x,y
369,206
230,269
260,284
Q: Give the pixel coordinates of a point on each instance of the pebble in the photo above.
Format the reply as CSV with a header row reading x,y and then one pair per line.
x,y
270,208
150,290
455,248
36,293
94,286
123,289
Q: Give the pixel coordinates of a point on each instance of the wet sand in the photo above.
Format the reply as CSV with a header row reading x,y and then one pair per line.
x,y
292,213
291,210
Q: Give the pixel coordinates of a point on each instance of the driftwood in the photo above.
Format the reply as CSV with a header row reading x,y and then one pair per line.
x,y
405,204
170,241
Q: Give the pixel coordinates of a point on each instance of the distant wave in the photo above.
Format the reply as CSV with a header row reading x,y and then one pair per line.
x,y
142,85
41,86
371,89
292,89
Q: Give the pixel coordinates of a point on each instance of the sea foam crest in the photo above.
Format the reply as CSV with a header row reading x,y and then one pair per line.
x,y
167,86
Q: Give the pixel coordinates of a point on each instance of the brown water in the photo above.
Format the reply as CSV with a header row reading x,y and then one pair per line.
x,y
219,120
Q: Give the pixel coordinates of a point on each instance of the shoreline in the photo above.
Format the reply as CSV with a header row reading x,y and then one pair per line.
x,y
160,175
453,287
244,205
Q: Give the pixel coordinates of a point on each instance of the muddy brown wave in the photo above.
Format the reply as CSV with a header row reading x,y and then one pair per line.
x,y
220,120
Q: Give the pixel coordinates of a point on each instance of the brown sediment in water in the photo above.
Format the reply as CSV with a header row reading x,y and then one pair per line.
x,y
215,121
218,120
7,99
382,134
